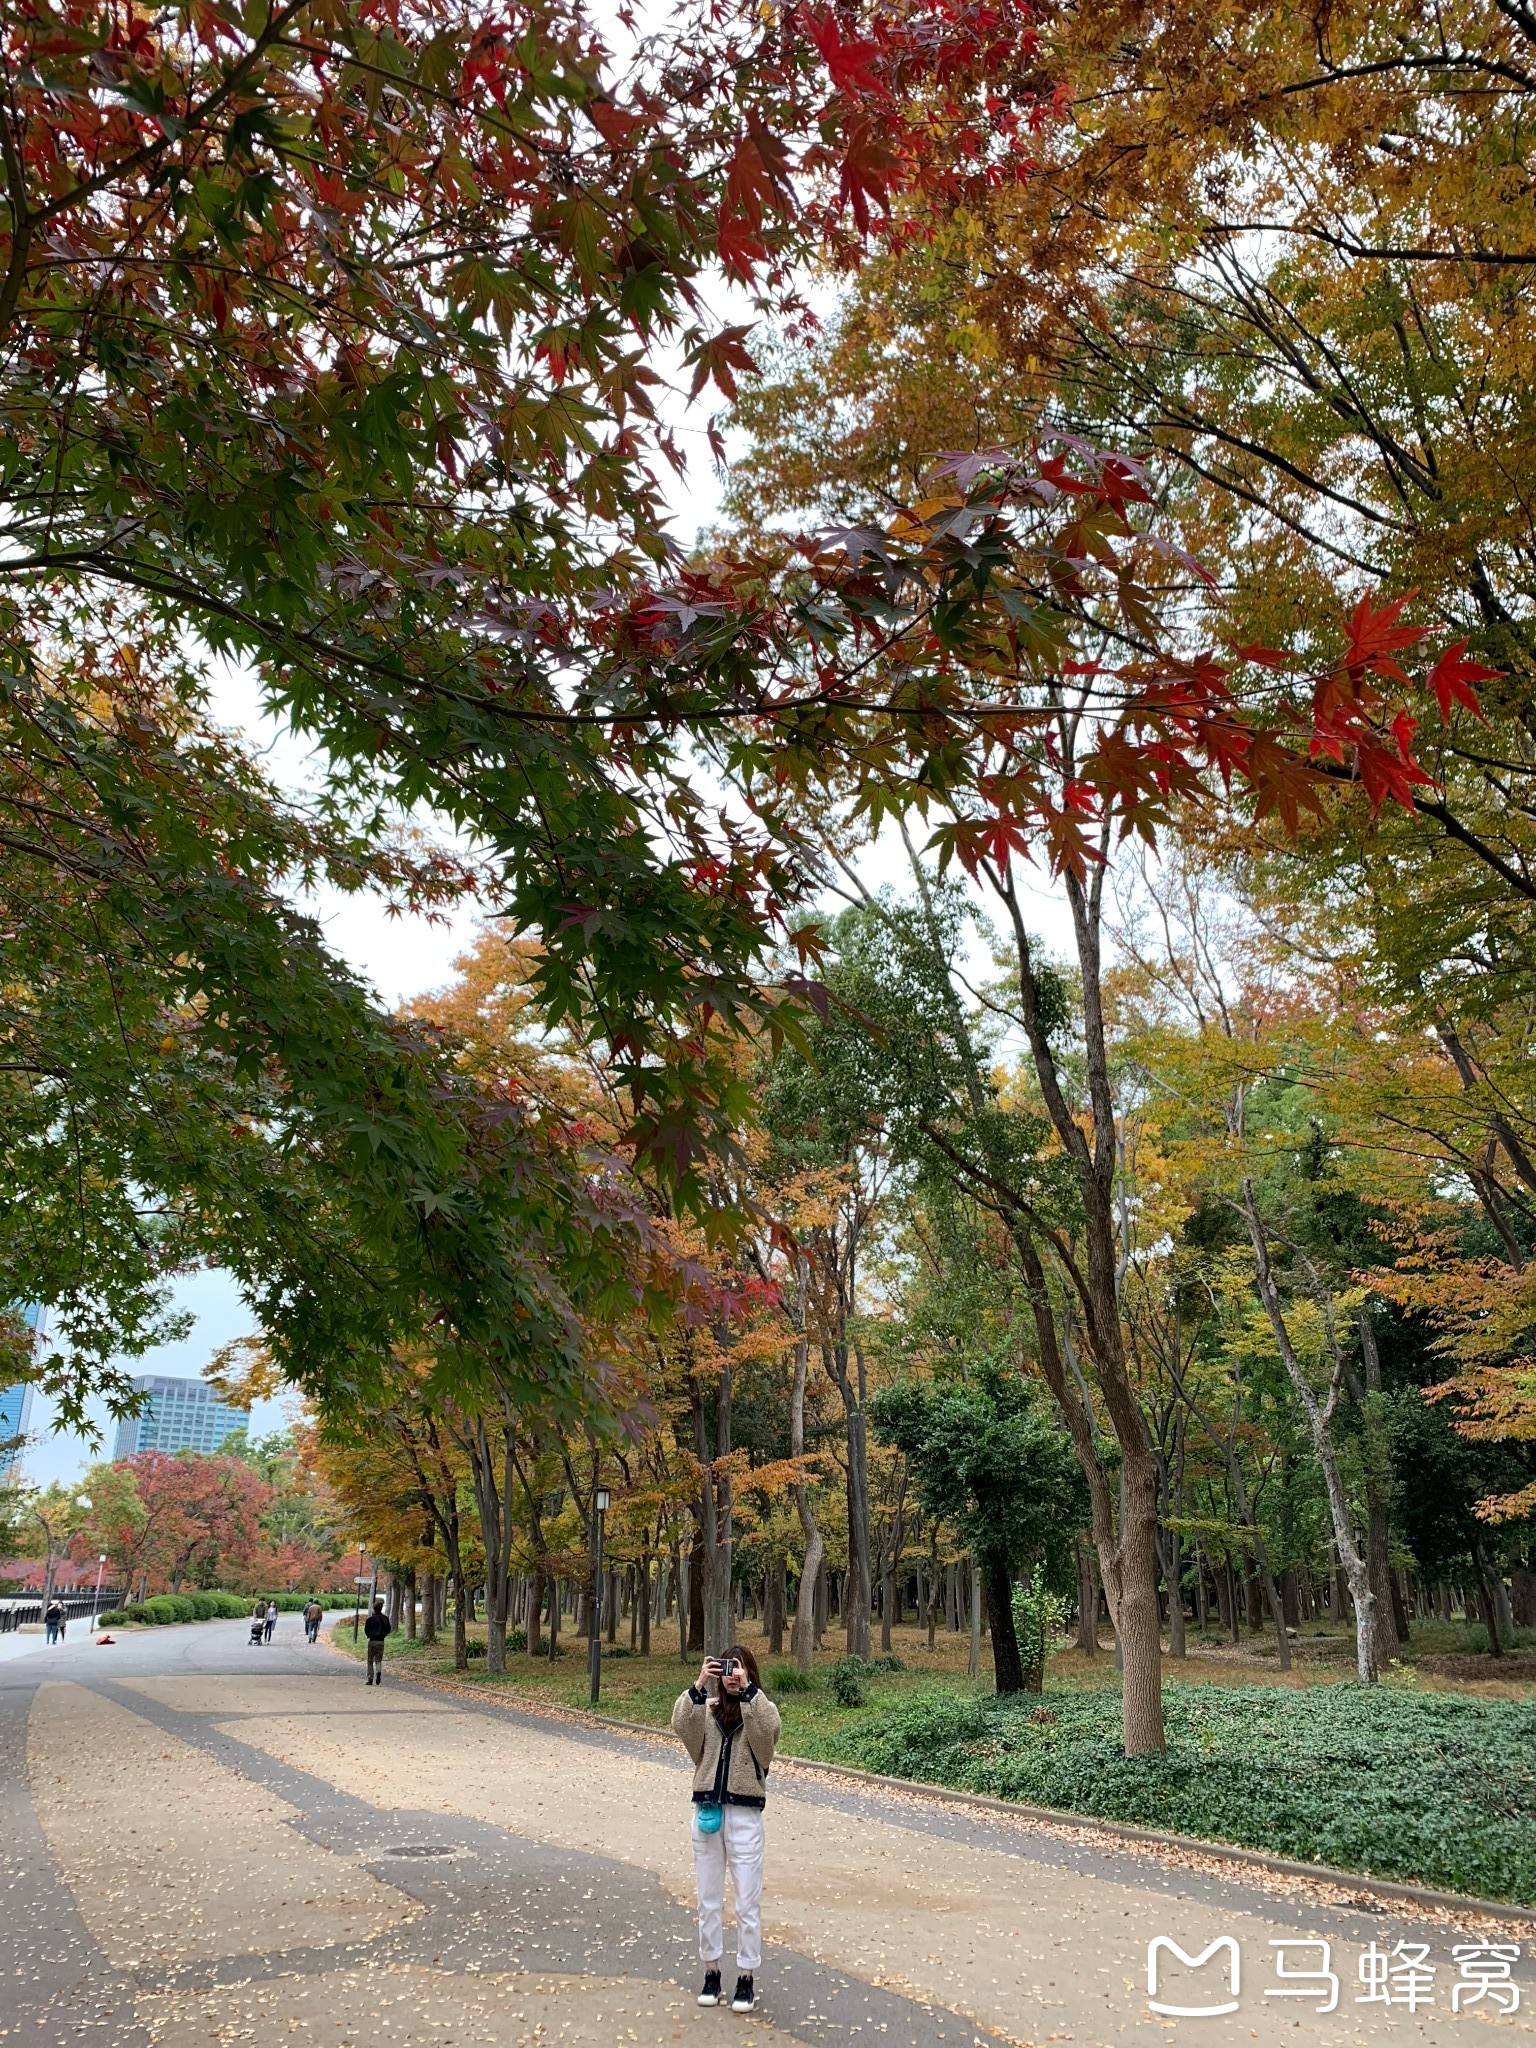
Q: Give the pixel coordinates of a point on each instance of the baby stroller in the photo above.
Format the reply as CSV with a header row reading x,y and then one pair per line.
x,y
256,1628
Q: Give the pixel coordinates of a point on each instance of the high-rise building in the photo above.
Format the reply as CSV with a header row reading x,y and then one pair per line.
x,y
16,1403
15,1414
179,1415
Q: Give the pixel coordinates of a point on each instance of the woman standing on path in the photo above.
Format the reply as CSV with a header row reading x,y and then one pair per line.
x,y
730,1728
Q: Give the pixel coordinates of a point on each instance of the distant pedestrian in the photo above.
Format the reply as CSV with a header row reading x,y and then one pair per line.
x,y
54,1621
271,1621
313,1614
376,1628
730,1728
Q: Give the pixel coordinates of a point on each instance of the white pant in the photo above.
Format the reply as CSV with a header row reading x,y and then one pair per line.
x,y
738,1848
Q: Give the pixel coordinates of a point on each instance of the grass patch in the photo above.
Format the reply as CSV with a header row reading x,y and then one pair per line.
x,y
1428,1788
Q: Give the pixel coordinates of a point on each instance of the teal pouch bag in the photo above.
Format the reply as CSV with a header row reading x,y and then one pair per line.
x,y
707,1819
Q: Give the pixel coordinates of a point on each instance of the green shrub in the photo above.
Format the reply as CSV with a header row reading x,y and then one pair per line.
x,y
517,1640
790,1678
1431,1788
164,1608
1039,1616
115,1617
849,1681
887,1664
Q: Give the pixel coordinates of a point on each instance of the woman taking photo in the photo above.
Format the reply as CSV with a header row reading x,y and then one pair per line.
x,y
730,1728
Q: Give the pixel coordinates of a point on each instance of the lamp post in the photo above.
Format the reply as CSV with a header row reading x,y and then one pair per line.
x,y
101,1562
359,1582
600,1499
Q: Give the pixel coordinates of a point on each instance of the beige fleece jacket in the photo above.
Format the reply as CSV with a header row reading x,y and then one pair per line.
x,y
731,1770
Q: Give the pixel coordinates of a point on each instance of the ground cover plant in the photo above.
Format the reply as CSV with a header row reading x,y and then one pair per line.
x,y
1434,1789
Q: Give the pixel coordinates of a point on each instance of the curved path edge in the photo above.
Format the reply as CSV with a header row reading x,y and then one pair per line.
x,y
1350,1884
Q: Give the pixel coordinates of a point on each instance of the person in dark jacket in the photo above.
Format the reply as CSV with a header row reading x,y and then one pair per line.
x,y
376,1628
54,1619
730,1729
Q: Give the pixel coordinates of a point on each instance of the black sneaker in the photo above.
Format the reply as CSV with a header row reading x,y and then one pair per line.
x,y
745,1998
710,1995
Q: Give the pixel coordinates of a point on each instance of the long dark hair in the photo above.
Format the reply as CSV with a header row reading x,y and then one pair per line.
x,y
728,1708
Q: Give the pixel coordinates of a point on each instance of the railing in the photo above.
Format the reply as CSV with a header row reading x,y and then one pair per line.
x,y
16,1611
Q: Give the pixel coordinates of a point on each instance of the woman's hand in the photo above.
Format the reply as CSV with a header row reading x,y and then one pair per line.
x,y
736,1682
709,1669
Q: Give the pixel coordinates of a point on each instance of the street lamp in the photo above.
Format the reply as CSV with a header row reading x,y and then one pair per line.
x,y
96,1596
600,1500
359,1582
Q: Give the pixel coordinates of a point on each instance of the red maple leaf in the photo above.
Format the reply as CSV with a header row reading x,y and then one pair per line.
x,y
1452,679
847,61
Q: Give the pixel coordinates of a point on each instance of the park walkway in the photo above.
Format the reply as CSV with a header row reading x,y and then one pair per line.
x,y
212,1842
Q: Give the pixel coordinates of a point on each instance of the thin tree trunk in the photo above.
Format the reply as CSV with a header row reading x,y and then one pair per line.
x,y
535,1622
696,1588
1173,1575
1087,1597
460,1619
803,1634
1320,1421
1378,1496
493,1470
1485,1600
777,1595
858,1588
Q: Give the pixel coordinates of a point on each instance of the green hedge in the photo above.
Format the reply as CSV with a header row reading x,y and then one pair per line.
x,y
164,1608
1434,1788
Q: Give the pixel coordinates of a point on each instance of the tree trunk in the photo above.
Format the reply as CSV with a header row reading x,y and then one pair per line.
x,y
1320,1421
493,1471
460,1619
535,1622
1087,1597
973,1662
776,1599
1485,1601
696,1590
1173,1576
1378,1496
713,1547
1127,1556
803,1635
892,1537
1007,1664
858,1588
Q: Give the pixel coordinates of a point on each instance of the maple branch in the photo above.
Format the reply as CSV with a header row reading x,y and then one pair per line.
x,y
194,117
22,223
1410,252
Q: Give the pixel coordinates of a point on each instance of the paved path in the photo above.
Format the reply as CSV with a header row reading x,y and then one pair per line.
x,y
202,1841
